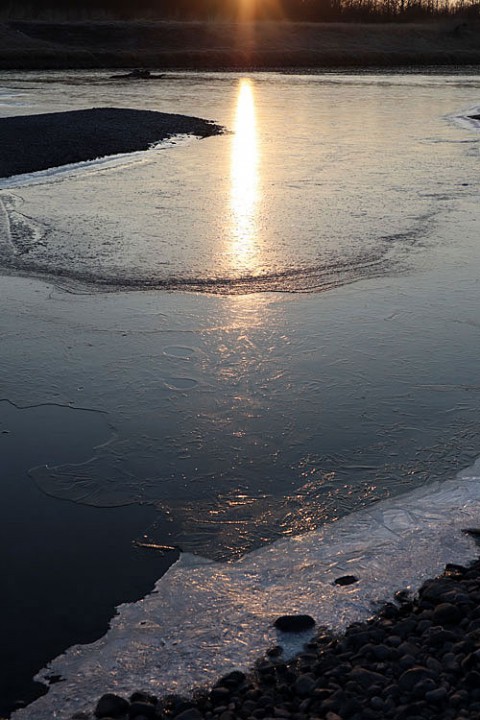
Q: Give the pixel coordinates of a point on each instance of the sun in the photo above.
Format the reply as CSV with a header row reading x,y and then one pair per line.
x,y
250,10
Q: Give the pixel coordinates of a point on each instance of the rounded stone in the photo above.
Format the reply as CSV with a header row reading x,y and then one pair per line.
x,y
143,697
190,714
233,679
294,623
275,651
304,685
411,677
377,703
447,614
111,705
472,679
144,709
436,696
345,580
220,695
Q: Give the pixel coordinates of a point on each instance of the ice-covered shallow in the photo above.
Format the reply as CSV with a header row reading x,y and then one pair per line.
x,y
204,618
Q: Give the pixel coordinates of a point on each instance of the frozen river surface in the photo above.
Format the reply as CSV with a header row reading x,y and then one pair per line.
x,y
318,180
237,417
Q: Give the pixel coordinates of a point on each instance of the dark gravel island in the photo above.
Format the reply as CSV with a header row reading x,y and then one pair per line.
x,y
418,659
29,143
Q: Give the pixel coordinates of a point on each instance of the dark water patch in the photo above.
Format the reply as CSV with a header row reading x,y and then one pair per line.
x,y
64,566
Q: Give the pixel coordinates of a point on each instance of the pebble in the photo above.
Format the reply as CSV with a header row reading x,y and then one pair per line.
x,y
111,706
294,623
190,714
447,614
143,709
345,580
304,685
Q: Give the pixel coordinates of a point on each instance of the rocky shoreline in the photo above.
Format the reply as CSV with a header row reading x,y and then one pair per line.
x,y
418,659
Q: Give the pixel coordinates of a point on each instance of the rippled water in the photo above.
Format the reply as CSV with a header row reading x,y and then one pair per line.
x,y
240,416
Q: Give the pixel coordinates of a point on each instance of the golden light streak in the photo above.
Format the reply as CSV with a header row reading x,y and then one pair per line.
x,y
244,193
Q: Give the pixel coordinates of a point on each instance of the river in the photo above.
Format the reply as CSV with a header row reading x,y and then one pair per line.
x,y
238,342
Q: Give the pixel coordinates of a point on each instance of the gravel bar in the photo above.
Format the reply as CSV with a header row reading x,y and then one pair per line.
x,y
418,659
29,143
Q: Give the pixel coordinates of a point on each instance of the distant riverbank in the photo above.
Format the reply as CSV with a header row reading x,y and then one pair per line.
x,y
231,46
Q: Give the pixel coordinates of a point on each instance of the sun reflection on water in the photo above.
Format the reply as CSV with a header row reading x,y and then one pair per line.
x,y
244,182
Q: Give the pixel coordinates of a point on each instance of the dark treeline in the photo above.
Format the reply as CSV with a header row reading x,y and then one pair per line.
x,y
295,10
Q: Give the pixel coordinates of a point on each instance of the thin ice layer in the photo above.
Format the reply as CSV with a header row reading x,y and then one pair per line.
x,y
204,618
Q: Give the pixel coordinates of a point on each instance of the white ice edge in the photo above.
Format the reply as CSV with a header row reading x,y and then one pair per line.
x,y
107,162
465,119
204,619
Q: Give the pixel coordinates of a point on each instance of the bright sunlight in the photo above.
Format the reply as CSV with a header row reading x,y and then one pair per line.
x,y
245,180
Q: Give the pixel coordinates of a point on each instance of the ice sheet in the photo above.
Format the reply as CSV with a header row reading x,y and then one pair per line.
x,y
224,217
87,167
205,618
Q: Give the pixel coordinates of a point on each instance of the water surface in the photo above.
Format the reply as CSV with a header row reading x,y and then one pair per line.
x,y
240,415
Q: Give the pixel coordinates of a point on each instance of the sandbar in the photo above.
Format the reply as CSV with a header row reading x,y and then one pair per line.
x,y
30,143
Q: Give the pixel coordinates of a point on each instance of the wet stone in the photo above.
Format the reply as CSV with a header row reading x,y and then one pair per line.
x,y
141,708
275,651
436,696
383,652
408,648
111,705
422,687
233,679
143,697
411,677
366,678
393,640
345,580
471,661
226,715
180,705
190,714
438,636
294,623
220,695
249,706
377,703
472,680
447,614
304,685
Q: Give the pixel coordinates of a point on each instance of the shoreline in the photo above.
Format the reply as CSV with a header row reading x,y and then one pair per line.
x,y
268,45
342,600
417,658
